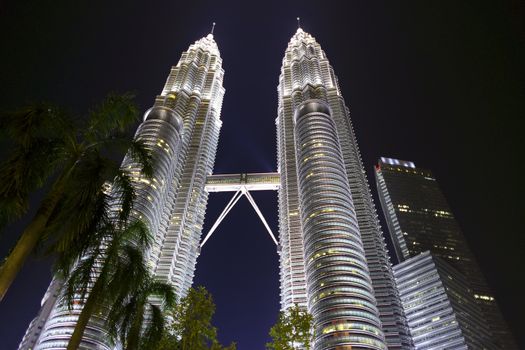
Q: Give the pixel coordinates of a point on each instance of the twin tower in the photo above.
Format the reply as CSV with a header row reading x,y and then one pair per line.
x,y
333,258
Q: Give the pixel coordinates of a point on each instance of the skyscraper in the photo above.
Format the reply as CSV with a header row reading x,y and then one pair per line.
x,y
419,219
439,306
333,258
181,130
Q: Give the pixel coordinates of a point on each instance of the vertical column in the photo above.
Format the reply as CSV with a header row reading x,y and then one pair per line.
x,y
340,294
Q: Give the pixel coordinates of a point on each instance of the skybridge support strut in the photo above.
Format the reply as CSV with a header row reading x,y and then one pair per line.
x,y
225,212
242,191
258,211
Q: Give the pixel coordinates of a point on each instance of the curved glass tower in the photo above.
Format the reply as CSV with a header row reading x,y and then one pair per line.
x,y
181,130
333,258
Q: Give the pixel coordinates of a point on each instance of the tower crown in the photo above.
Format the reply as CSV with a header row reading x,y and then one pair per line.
x,y
207,43
300,37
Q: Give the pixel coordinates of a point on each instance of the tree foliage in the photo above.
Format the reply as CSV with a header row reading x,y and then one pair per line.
x,y
192,328
135,320
112,275
73,157
32,138
293,330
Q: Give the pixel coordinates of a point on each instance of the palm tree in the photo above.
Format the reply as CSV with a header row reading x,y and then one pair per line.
x,y
108,274
127,315
48,145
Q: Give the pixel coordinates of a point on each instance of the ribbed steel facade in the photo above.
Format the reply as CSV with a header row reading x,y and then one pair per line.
x,y
420,219
439,306
197,83
340,295
181,130
307,75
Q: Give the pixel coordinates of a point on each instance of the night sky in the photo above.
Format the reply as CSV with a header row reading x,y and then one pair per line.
x,y
440,83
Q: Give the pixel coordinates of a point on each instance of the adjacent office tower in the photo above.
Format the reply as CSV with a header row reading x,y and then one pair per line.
x,y
419,219
181,130
439,306
333,258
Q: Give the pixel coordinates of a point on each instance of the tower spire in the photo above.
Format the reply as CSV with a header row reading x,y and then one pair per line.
x,y
298,22
212,28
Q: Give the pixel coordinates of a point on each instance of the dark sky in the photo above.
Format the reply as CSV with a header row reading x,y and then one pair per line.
x,y
440,83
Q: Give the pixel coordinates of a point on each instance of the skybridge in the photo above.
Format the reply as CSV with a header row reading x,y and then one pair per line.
x,y
242,184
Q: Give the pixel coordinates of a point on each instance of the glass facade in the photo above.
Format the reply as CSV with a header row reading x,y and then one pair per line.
x,y
419,219
439,306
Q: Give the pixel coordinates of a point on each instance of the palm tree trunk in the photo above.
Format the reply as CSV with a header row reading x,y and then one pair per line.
x,y
132,342
29,238
88,310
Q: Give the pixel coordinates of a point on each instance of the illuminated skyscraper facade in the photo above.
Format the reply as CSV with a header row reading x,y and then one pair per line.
x,y
419,219
439,306
333,258
181,130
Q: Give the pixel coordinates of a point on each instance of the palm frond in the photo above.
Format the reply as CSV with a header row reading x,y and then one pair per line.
x,y
25,170
79,281
83,210
140,154
120,318
69,252
33,122
128,268
164,291
132,266
114,115
154,328
124,195
138,232
34,138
